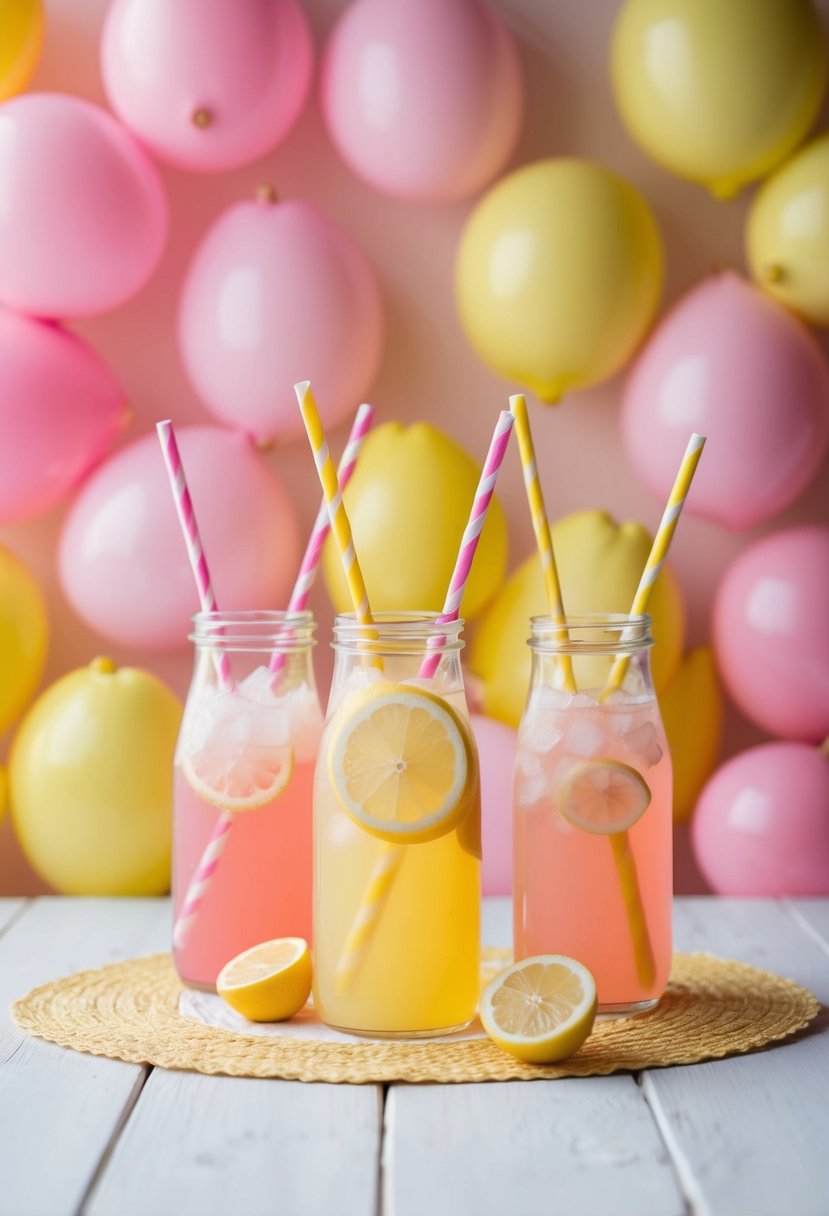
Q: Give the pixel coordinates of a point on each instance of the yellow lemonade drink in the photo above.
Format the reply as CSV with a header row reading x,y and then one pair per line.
x,y
242,791
593,813
396,836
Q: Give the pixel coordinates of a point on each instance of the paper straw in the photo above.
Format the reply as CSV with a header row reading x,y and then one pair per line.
x,y
385,870
541,528
660,547
472,535
190,531
334,502
322,525
204,871
620,841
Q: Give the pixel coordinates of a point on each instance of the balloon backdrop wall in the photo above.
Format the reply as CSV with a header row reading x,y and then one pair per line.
x,y
266,196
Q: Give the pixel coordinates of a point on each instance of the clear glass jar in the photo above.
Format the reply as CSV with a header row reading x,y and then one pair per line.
x,y
242,789
593,809
397,912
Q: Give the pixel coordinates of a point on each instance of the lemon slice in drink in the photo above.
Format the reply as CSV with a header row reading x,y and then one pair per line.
x,y
540,1009
239,777
604,796
399,762
270,982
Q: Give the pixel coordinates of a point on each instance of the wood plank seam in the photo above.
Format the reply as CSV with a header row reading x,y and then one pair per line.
x,y
681,1167
15,916
115,1136
805,926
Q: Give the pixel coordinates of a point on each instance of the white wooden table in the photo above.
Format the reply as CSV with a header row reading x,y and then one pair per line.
x,y
81,1134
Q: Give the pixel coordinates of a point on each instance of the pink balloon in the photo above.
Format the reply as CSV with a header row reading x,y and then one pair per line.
x,y
732,364
84,217
761,825
122,557
60,410
207,86
423,98
275,294
771,632
496,748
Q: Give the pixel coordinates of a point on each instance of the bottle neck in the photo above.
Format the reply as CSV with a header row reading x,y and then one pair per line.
x,y
401,646
255,631
592,654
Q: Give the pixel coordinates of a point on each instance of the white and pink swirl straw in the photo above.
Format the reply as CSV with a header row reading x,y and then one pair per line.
x,y
472,534
198,562
322,525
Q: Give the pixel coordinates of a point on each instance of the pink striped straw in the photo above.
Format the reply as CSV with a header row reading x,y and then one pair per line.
x,y
190,531
471,536
198,562
322,525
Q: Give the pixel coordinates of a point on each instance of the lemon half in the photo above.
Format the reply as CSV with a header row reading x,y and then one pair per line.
x,y
540,1009
269,982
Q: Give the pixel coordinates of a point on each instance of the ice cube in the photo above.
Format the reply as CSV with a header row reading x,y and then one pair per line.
x,y
258,686
563,770
583,736
582,700
547,698
343,832
643,741
540,731
531,784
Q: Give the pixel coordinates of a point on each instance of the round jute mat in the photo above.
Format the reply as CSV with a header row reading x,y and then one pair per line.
x,y
129,1011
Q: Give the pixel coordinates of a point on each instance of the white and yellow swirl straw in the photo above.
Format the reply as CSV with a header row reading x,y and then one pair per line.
x,y
541,528
391,855
620,841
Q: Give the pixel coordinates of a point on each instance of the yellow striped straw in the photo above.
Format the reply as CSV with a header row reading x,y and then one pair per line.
x,y
660,546
541,528
391,855
340,525
620,841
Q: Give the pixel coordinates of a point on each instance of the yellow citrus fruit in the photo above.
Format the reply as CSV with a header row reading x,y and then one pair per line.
x,y
22,24
23,637
599,563
270,982
604,796
241,777
400,761
692,711
91,781
540,1009
408,503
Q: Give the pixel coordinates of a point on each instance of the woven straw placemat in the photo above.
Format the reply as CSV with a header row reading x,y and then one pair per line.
x,y
129,1011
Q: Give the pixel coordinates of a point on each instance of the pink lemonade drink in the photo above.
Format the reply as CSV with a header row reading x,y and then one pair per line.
x,y
593,812
242,791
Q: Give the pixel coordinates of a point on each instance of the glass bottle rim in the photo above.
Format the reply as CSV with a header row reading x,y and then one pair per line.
x,y
400,631
254,629
591,633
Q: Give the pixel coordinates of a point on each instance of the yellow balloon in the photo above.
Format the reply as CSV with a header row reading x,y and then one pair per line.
x,y
409,502
21,23
558,275
599,564
692,711
718,91
23,637
787,233
90,781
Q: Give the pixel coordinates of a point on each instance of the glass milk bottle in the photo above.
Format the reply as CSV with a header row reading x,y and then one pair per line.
x,y
242,789
593,809
397,834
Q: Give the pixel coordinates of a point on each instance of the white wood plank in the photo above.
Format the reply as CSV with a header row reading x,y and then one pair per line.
x,y
496,922
60,1108
9,909
749,1134
222,1145
578,1145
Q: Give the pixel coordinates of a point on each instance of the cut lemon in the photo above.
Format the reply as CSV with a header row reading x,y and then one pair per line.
x,y
269,982
241,777
541,1009
399,762
604,796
